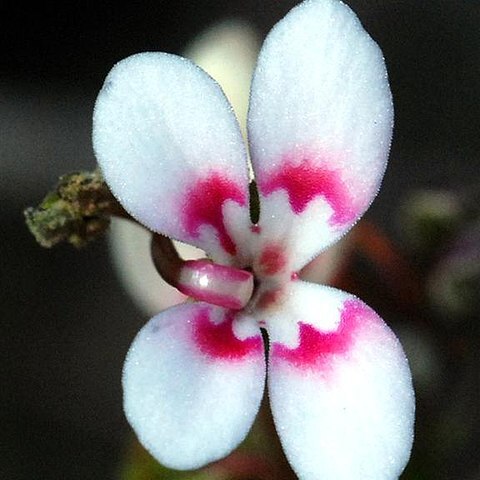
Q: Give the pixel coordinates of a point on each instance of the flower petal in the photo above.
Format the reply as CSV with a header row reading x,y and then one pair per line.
x,y
193,382
171,150
340,388
319,124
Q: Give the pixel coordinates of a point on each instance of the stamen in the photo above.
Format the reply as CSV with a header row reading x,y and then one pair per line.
x,y
166,259
217,284
203,280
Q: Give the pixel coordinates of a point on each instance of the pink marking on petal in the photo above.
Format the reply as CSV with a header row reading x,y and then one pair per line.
x,y
270,298
316,349
255,229
219,340
203,206
304,181
272,260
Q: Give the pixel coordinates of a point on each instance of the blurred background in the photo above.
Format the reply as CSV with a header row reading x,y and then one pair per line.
x,y
66,320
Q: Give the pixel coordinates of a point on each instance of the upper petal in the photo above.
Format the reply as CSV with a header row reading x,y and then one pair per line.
x,y
193,382
340,388
319,125
171,150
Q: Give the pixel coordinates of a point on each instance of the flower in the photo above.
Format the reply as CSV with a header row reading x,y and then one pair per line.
x,y
227,51
319,125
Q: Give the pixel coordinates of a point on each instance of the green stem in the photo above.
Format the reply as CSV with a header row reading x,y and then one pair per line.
x,y
76,211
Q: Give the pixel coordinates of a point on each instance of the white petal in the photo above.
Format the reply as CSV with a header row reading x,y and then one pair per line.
x,y
193,382
320,123
170,148
340,388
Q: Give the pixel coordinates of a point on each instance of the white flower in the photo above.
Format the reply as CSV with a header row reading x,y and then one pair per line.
x,y
319,126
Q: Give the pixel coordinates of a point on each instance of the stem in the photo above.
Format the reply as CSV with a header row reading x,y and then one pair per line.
x,y
76,211
166,259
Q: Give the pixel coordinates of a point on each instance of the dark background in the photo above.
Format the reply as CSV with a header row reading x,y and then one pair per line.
x,y
66,323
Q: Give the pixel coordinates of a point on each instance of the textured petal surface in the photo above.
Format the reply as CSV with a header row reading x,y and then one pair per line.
x,y
193,382
340,387
319,125
170,148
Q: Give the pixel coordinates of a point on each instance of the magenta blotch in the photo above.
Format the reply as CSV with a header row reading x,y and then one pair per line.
x,y
269,298
219,341
203,206
272,259
303,181
316,349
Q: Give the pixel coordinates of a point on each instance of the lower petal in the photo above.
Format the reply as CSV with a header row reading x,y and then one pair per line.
x,y
193,381
340,389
